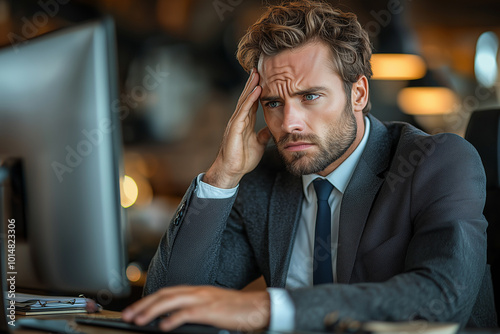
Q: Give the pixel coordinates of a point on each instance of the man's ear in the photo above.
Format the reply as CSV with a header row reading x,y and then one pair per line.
x,y
359,94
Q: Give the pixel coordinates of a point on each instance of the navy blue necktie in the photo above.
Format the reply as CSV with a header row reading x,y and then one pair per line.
x,y
322,240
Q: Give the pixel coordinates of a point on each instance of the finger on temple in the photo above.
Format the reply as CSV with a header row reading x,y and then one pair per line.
x,y
253,113
249,87
248,104
249,80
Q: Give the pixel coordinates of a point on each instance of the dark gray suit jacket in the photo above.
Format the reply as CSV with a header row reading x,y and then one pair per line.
x,y
412,237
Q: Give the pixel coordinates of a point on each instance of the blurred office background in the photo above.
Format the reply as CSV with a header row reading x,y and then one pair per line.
x,y
180,81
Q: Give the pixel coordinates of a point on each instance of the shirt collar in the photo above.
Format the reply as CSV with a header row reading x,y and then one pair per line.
x,y
341,176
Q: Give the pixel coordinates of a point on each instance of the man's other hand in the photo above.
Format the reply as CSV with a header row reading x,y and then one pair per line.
x,y
223,308
242,147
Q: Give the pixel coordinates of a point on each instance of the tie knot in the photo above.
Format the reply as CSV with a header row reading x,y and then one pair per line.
x,y
323,189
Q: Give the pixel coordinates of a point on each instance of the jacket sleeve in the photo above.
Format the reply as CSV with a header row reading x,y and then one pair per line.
x,y
204,244
446,259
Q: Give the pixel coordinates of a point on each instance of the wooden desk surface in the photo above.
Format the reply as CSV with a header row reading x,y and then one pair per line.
x,y
112,314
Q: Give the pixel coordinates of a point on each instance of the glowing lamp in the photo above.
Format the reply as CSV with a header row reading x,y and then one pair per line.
x,y
397,66
427,100
128,191
134,272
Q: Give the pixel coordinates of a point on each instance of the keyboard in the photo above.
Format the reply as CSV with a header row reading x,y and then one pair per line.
x,y
149,328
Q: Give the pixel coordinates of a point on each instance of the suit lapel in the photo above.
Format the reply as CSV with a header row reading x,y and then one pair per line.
x,y
284,213
359,196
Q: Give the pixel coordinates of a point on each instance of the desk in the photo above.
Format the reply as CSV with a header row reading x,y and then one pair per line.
x,y
112,314
93,329
82,328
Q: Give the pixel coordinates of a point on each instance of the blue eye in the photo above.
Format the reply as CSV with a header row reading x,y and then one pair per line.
x,y
273,104
311,97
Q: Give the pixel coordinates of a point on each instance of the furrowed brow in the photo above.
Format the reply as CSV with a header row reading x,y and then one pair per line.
x,y
269,98
311,90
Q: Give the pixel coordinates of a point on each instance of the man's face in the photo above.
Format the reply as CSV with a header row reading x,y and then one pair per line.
x,y
306,109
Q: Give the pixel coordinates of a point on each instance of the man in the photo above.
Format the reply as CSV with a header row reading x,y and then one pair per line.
x,y
404,237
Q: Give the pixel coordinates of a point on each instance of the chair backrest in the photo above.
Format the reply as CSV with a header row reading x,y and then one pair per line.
x,y
483,131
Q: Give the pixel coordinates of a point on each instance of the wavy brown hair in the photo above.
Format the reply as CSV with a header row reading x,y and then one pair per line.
x,y
293,24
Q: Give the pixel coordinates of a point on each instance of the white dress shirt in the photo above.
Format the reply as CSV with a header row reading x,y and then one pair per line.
x,y
300,271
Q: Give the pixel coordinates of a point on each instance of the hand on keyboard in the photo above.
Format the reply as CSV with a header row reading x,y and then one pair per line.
x,y
208,305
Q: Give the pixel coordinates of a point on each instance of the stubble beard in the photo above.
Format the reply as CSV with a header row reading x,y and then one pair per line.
x,y
339,138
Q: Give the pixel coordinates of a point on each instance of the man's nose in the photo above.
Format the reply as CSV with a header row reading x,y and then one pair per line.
x,y
292,119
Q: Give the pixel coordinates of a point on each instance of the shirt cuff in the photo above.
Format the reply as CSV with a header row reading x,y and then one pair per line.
x,y
204,190
282,310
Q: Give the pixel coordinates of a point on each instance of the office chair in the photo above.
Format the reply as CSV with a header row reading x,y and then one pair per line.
x,y
483,131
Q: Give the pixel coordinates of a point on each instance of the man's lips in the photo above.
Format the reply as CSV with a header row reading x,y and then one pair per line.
x,y
297,146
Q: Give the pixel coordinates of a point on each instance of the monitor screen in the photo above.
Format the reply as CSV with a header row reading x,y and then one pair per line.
x,y
60,141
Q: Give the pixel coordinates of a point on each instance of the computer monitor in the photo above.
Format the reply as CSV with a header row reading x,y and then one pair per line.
x,y
60,141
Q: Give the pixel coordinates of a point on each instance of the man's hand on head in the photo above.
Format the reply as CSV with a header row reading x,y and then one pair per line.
x,y
242,147
223,308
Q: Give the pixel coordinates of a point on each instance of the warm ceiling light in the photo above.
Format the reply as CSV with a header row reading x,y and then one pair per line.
x,y
427,100
133,272
397,66
129,191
